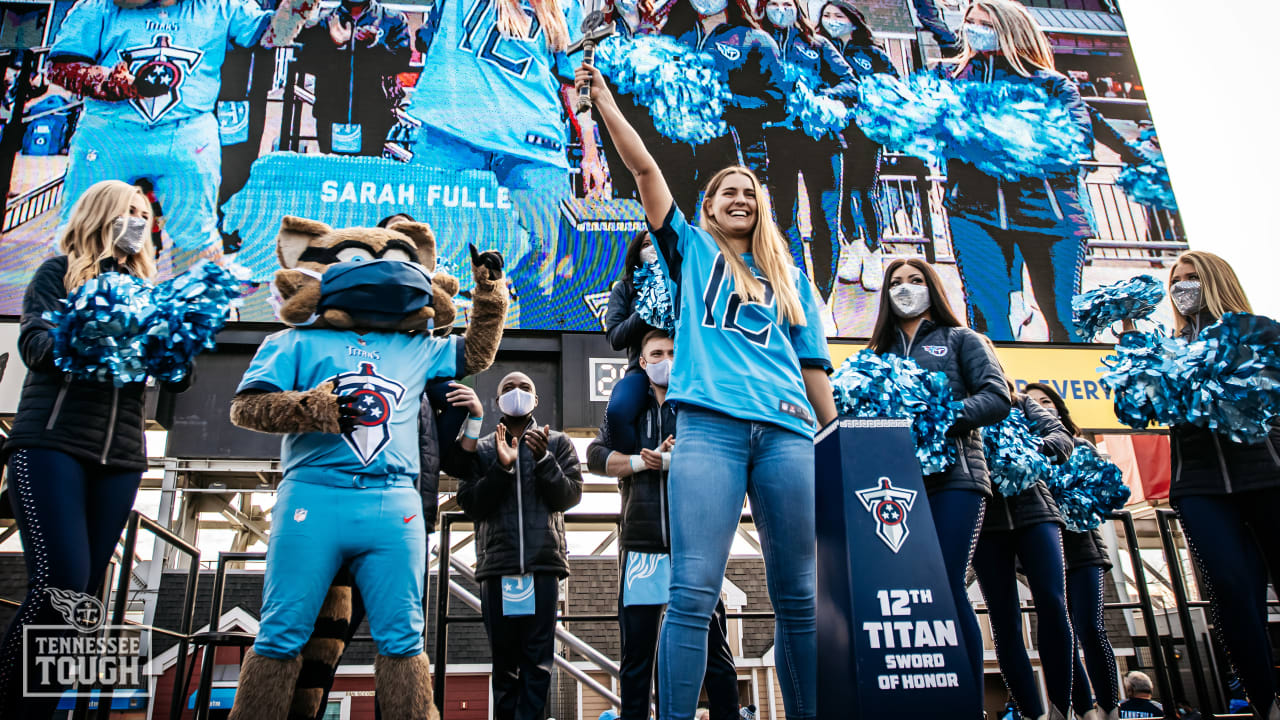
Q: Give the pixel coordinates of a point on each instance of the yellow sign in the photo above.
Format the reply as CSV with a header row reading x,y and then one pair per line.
x,y
1072,371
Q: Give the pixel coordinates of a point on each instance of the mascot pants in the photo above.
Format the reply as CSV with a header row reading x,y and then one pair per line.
x,y
378,530
182,159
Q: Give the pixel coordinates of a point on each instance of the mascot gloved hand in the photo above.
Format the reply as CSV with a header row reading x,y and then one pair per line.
x,y
344,385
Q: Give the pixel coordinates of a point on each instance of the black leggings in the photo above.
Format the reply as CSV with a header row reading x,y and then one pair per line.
x,y
1039,547
792,154
1236,541
957,517
1084,600
70,515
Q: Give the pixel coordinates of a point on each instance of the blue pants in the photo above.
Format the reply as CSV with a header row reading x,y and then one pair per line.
x,y
1236,543
985,257
793,154
314,530
931,18
718,461
182,159
70,515
1085,601
957,517
626,401
1039,548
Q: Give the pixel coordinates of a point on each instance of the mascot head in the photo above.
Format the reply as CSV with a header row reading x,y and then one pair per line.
x,y
365,278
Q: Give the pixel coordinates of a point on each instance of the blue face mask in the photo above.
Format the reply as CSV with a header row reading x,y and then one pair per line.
x,y
707,8
376,293
783,17
981,38
837,28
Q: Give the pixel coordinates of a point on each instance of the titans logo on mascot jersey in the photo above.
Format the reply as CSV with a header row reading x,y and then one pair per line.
x,y
377,399
160,70
890,506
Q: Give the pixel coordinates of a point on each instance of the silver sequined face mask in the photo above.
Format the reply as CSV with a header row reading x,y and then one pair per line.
x,y
909,301
1188,297
128,234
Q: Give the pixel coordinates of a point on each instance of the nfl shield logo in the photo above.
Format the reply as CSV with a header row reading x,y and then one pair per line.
x,y
890,506
300,514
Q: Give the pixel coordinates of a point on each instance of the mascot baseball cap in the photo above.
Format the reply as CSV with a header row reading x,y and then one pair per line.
x,y
375,292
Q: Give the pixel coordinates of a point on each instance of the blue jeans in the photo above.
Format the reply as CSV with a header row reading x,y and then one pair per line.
x,y
718,461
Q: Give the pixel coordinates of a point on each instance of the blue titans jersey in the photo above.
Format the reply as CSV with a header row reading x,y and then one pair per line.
x,y
496,93
180,47
385,371
734,357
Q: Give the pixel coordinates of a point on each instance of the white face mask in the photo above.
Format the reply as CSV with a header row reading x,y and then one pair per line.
x,y
128,234
649,255
707,8
277,300
981,38
1188,297
783,17
516,403
659,373
908,301
838,28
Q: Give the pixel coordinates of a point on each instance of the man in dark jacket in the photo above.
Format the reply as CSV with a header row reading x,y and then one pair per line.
x,y
521,481
644,542
355,53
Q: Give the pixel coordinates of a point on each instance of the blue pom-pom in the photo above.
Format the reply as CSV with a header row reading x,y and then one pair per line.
x,y
871,385
1013,455
1009,130
1227,381
1087,488
190,310
817,115
1148,182
1131,299
98,334
653,297
682,88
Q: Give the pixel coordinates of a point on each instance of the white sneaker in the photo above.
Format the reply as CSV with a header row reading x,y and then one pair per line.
x,y
849,268
1020,311
873,269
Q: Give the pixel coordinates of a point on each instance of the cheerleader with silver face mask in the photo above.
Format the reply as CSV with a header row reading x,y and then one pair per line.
x,y
1227,494
916,321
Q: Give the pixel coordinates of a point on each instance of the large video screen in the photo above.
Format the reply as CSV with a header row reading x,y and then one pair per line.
x,y
458,113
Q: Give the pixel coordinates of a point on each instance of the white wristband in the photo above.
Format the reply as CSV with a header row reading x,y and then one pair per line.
x,y
637,463
471,428
666,460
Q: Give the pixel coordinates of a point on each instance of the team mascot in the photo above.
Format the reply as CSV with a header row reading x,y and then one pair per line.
x,y
344,385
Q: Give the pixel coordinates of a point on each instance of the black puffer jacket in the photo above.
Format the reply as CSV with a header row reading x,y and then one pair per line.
x,y
519,512
623,325
93,422
644,494
1036,504
977,381
1206,463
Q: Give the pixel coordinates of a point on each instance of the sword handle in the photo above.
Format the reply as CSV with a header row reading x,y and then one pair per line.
x,y
584,92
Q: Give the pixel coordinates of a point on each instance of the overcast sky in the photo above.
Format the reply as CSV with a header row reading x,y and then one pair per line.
x,y
1210,73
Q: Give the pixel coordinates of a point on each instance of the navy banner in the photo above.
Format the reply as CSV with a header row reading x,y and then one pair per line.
x,y
890,642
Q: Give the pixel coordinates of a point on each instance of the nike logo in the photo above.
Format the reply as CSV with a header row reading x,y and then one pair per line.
x,y
201,148
410,518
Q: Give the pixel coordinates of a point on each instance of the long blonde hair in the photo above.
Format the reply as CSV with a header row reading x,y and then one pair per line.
x,y
1221,288
1022,42
514,23
87,238
768,248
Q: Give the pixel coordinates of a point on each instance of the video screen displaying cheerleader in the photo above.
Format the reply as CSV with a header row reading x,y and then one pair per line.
x,y
1021,163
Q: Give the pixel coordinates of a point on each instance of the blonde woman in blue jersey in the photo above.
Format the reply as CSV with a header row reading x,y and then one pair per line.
x,y
750,377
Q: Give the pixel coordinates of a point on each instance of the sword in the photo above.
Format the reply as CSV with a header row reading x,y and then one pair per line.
x,y
595,28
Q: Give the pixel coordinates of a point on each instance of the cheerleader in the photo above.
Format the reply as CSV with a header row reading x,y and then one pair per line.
x,y
1026,529
1087,562
992,220
846,26
792,153
76,452
915,321
1227,494
751,65
751,382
